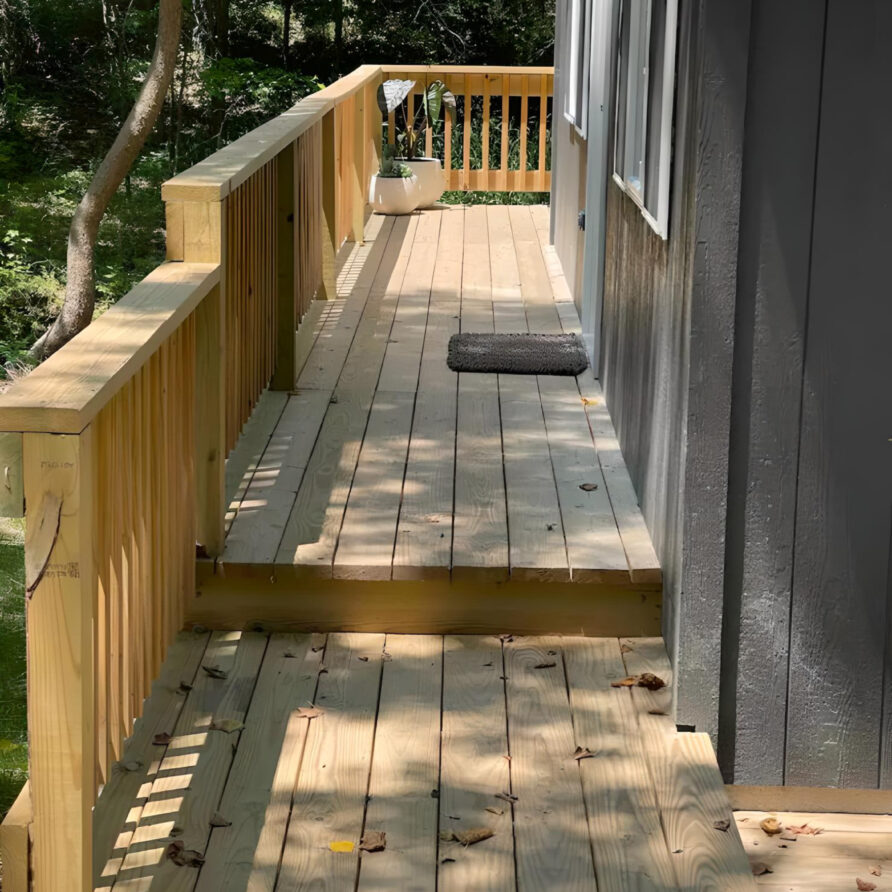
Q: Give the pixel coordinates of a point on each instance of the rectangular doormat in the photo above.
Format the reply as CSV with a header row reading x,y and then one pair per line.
x,y
517,354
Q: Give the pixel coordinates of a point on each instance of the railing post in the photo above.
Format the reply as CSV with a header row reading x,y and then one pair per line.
x,y
210,422
61,582
358,198
286,296
329,205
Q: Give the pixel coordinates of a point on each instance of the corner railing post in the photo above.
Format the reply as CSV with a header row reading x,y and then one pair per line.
x,y
286,295
61,583
329,205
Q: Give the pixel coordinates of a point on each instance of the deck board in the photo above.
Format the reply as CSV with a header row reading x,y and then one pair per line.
x,y
421,737
384,464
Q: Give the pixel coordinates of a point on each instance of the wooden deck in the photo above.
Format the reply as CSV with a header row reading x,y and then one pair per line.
x,y
420,737
385,465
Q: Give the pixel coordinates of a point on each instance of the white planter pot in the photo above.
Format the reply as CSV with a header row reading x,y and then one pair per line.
x,y
431,182
393,195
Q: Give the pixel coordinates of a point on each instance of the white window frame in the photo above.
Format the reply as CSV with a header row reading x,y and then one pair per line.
x,y
578,37
637,105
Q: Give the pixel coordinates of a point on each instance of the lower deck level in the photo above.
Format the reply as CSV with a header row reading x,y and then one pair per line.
x,y
414,762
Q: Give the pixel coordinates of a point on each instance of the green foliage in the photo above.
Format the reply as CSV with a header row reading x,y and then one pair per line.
x,y
396,95
391,167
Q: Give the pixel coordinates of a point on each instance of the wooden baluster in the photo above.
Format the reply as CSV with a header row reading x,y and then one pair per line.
x,y
447,152
210,422
59,474
506,130
329,205
466,137
484,141
521,182
286,295
543,131
357,170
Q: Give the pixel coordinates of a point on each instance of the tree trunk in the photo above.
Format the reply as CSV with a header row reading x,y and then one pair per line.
x,y
80,296
286,36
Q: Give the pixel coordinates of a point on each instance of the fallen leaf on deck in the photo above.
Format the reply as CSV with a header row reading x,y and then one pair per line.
x,y
386,657
215,671
759,868
582,752
289,655
656,712
448,861
804,830
363,659
548,664
495,811
373,841
507,797
488,664
876,870
184,688
217,820
588,487
771,825
176,830
589,402
472,836
650,681
317,648
506,639
162,739
625,649
722,825
628,682
132,765
227,725
864,885
447,836
789,838
310,712
183,857
341,845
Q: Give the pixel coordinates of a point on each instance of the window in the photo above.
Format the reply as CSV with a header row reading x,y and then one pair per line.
x,y
645,83
577,36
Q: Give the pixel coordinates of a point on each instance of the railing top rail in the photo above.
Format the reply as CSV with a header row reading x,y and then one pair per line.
x,y
217,175
64,393
469,69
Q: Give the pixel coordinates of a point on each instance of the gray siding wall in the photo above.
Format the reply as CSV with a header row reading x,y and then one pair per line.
x,y
807,641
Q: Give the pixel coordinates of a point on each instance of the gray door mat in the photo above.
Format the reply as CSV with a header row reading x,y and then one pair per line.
x,y
517,354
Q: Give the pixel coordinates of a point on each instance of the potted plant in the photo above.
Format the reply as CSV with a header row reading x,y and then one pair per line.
x,y
392,94
394,189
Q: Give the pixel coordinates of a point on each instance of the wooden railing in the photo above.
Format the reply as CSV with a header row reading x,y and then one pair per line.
x,y
506,110
114,448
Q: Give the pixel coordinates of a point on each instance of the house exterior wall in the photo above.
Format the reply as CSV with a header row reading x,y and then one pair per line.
x,y
745,363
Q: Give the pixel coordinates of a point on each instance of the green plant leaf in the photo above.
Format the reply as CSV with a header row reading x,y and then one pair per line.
x,y
392,93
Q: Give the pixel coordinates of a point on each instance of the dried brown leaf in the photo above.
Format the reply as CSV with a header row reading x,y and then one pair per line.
x,y
864,885
771,825
184,687
215,672
650,681
656,712
507,638
373,841
363,659
495,811
506,797
582,752
546,664
628,682
724,825
131,765
310,712
804,830
472,836
588,487
162,739
876,870
217,820
183,857
759,868
625,649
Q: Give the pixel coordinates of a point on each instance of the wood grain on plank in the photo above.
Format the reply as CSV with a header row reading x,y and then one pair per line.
x,y
329,799
286,681
553,850
406,767
474,767
629,847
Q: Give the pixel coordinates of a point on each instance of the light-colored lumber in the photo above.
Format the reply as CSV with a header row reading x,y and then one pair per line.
x,y
329,799
285,284
286,682
406,767
810,799
15,843
190,780
830,822
624,819
97,362
119,807
12,490
263,512
246,455
552,846
594,548
644,566
366,540
475,767
59,489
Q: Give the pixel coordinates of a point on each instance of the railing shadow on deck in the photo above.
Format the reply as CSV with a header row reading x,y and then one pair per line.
x,y
114,448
